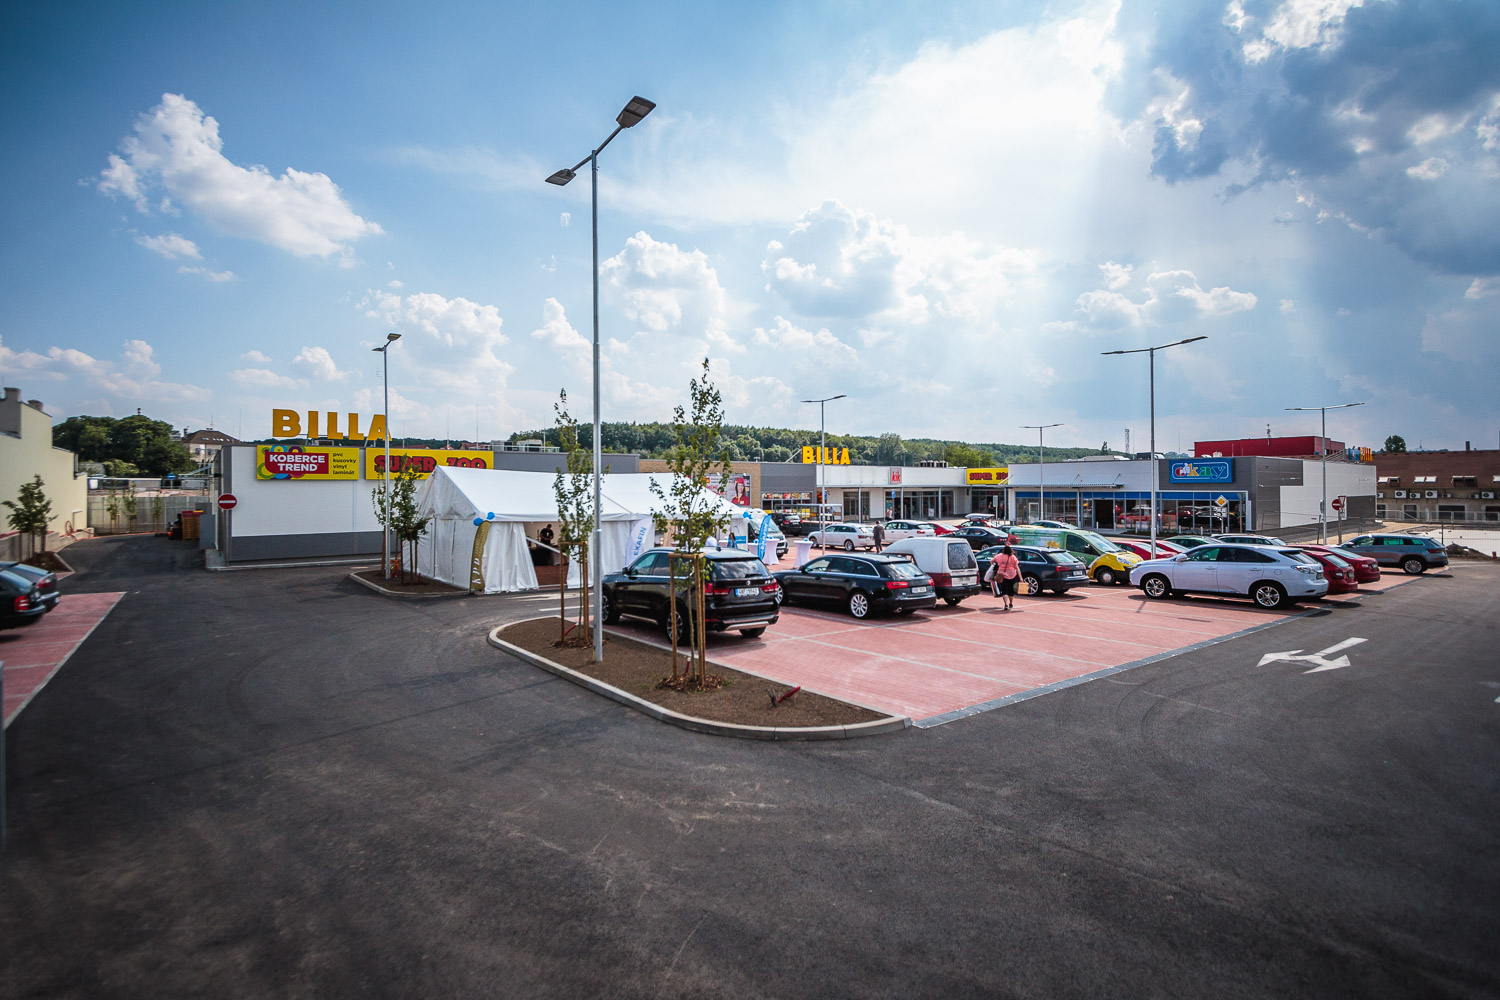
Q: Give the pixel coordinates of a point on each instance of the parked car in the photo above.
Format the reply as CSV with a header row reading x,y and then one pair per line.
x,y
1108,563
938,528
983,520
45,580
1271,577
1190,541
1056,570
1249,539
862,583
20,602
981,536
948,561
1340,574
1366,569
790,522
843,536
739,594
1142,547
1054,524
1413,553
897,530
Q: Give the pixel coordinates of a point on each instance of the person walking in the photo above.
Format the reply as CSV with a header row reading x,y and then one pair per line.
x,y
879,533
1007,573
545,536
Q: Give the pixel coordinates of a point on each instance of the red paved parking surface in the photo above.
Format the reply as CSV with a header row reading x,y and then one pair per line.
x,y
944,663
33,653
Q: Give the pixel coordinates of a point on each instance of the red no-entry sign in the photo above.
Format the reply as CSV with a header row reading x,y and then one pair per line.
x,y
1338,503
227,501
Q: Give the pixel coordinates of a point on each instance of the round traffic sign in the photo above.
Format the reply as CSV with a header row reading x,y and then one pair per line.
x,y
227,501
1338,503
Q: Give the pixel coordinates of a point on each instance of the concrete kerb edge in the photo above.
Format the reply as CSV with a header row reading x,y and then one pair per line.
x,y
875,727
372,585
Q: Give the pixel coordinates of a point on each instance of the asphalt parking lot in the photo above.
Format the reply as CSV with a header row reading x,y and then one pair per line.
x,y
279,784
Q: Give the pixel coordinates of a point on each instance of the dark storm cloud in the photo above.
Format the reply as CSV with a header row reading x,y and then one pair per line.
x,y
1345,121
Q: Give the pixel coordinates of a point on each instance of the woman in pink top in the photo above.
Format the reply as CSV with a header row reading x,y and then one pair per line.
x,y
1007,575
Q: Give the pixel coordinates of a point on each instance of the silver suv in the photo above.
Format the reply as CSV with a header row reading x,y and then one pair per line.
x,y
1413,553
1271,576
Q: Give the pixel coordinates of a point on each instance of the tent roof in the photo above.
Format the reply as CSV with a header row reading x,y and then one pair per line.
x,y
452,491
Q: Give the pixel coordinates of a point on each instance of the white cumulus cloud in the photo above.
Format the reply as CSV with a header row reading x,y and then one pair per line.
x,y
171,246
319,363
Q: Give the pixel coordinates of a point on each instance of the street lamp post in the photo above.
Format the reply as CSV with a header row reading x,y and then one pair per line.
x,y
385,379
1323,453
822,453
1041,482
633,112
1155,472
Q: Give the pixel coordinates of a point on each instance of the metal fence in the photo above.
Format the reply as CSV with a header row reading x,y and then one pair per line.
x,y
1433,515
153,512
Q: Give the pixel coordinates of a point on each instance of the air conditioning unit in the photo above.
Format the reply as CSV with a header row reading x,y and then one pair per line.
x,y
1486,496
1446,495
1431,494
1400,494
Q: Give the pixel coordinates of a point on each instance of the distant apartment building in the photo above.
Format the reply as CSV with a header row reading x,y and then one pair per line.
x,y
204,445
1438,485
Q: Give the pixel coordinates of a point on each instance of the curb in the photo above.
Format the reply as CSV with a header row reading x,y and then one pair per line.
x,y
394,593
876,727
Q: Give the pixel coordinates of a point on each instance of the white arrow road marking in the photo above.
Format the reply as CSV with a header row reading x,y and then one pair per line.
x,y
1320,657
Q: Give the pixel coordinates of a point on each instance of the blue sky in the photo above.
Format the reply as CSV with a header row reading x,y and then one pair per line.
x,y
946,212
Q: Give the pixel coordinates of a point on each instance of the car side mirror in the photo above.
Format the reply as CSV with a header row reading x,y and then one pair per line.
x,y
1181,558
632,572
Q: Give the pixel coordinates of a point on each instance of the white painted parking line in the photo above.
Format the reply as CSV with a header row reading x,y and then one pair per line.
x,y
1320,657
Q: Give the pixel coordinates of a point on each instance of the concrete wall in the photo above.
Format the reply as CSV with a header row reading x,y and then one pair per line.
x,y
554,462
26,451
1299,504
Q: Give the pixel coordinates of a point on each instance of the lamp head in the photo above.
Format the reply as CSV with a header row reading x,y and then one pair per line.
x,y
392,336
634,111
561,177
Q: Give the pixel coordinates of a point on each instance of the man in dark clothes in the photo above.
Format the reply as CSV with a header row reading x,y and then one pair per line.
x,y
545,536
879,532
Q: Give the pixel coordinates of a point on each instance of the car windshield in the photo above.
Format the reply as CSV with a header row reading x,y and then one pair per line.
x,y
900,571
1100,542
1297,555
1345,554
1064,558
736,569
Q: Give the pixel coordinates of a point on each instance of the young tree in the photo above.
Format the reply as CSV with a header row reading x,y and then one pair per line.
x,y
112,507
692,516
574,491
404,524
128,502
30,511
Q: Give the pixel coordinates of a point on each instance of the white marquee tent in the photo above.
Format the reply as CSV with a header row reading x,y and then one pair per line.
x,y
477,537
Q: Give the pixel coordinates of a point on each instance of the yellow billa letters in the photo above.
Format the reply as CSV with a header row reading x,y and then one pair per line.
x,y
288,424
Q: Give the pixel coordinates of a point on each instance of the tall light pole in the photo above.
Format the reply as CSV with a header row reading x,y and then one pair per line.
x,y
1155,472
1323,451
634,111
822,453
385,378
1041,504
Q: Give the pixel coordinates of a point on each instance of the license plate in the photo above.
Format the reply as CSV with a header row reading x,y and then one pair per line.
x,y
966,579
746,591
919,590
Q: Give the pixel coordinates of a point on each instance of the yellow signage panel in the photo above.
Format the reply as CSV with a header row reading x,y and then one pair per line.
x,y
987,477
423,460
812,454
296,462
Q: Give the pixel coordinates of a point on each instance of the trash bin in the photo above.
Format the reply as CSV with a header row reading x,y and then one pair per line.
x,y
190,524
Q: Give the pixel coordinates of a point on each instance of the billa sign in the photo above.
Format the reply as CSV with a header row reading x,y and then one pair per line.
x,y
811,454
289,424
423,460
987,477
296,462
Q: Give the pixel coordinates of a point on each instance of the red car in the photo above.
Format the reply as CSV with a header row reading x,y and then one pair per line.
x,y
937,528
1366,570
1142,547
1340,574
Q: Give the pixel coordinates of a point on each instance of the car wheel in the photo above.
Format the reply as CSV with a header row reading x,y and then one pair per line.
x,y
1156,586
611,615
859,604
682,626
780,596
1269,595
1105,576
753,633
953,602
849,546
1413,566
1033,584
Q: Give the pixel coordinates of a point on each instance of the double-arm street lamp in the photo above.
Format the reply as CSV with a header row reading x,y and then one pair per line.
x,y
633,112
1323,451
822,455
385,378
1041,486
1154,471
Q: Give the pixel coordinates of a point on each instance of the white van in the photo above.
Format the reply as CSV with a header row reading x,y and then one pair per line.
x,y
949,561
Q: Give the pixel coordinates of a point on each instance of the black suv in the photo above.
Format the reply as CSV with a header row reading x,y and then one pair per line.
x,y
739,593
861,583
789,522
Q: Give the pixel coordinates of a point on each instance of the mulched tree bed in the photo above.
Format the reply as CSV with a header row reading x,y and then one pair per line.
x,y
637,668
395,585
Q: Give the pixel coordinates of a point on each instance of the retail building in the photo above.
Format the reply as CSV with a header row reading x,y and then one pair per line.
x,y
1439,485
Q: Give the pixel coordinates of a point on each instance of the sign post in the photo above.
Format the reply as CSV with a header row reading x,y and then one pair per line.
x,y
1338,509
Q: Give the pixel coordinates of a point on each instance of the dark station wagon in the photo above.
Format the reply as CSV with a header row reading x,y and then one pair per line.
x,y
860,583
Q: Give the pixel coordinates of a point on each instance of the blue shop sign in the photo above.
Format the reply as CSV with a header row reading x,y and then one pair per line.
x,y
1198,470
